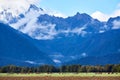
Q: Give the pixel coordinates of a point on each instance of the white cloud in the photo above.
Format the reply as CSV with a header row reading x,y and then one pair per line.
x,y
78,31
100,16
118,6
57,14
30,26
40,31
116,24
29,17
30,62
57,61
33,62
104,17
45,31
10,9
73,57
54,13
84,54
101,31
16,6
115,13
118,50
57,56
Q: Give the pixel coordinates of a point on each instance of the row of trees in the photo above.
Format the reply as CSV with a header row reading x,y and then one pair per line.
x,y
62,69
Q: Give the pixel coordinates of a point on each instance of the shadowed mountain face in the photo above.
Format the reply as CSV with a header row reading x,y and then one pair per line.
x,y
101,60
87,37
83,21
77,47
17,48
100,49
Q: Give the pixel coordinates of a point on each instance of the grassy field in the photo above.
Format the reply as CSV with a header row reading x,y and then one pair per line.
x,y
59,75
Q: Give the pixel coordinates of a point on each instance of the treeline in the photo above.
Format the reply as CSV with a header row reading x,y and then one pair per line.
x,y
62,69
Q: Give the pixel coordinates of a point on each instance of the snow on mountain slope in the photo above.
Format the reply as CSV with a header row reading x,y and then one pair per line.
x,y
29,22
43,25
10,10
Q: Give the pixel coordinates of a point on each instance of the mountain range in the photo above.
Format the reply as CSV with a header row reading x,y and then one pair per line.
x,y
41,38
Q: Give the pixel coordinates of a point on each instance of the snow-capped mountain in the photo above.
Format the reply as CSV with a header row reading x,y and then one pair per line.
x,y
39,24
67,39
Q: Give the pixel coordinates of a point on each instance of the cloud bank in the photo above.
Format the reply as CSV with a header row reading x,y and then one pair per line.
x,y
104,17
116,24
55,13
16,6
21,6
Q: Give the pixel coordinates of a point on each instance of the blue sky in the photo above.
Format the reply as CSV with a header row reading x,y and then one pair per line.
x,y
70,7
99,9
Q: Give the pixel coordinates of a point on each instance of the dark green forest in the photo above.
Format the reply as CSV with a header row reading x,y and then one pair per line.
x,y
110,68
